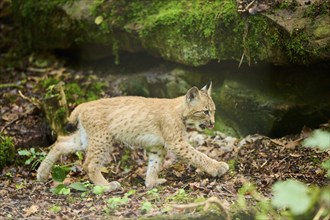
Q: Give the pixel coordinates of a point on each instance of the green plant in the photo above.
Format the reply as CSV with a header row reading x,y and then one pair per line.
x,y
153,194
98,190
292,194
20,185
145,207
298,47
63,189
125,160
55,209
318,139
262,208
288,4
114,202
179,196
33,157
59,172
316,9
7,150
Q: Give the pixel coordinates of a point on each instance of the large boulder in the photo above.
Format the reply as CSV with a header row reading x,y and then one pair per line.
x,y
186,32
274,103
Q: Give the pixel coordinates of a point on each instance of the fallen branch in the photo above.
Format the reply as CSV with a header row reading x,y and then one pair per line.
x,y
246,8
9,85
207,203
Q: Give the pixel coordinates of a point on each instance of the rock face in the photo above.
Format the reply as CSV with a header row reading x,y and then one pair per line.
x,y
186,32
275,103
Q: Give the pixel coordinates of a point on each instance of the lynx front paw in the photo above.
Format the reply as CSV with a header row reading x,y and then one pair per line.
x,y
43,172
154,182
42,177
219,169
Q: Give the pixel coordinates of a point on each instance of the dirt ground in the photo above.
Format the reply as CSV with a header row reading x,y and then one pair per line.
x,y
257,159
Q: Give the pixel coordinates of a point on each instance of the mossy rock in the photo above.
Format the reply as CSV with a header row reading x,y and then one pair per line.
x,y
186,32
274,104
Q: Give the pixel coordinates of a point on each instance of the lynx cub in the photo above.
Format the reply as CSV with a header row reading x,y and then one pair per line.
x,y
156,124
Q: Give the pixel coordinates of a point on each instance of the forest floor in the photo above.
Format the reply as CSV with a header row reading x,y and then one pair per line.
x,y
254,159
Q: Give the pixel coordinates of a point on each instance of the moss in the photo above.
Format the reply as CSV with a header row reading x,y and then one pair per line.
x,y
7,151
184,30
43,24
297,48
263,39
317,8
288,4
188,32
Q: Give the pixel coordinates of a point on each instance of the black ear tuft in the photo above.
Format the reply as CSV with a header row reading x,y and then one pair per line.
x,y
192,94
207,88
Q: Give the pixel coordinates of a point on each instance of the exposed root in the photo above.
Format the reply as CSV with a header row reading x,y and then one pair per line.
x,y
207,203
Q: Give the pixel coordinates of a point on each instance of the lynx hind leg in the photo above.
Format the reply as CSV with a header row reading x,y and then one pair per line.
x,y
96,156
64,145
156,157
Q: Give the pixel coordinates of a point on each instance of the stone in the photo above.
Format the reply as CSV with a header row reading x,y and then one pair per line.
x,y
192,33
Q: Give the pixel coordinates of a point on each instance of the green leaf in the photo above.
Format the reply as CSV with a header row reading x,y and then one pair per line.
x,y
65,191
319,138
56,190
78,186
326,165
98,190
325,196
291,194
98,20
55,209
146,207
114,202
130,192
59,173
80,155
24,153
28,161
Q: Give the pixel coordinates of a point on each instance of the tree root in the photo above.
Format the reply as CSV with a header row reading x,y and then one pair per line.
x,y
207,203
10,85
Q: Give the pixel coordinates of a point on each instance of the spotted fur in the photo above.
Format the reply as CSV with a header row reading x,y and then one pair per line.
x,y
156,124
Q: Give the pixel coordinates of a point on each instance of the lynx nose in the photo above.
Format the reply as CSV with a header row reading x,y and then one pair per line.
x,y
211,125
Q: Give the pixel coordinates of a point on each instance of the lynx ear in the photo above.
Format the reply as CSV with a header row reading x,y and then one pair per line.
x,y
207,88
192,95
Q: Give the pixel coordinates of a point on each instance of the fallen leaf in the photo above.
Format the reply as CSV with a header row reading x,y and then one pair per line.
x,y
98,20
104,170
30,211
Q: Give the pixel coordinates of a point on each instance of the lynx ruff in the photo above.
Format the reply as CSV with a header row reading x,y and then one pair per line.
x,y
157,124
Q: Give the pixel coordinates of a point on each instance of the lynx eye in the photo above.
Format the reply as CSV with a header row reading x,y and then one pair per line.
x,y
206,112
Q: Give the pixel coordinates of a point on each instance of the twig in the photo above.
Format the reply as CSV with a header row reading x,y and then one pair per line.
x,y
34,102
38,70
8,85
327,217
207,203
240,62
9,123
319,213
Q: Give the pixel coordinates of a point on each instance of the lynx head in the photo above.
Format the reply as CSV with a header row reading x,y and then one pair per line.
x,y
200,108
